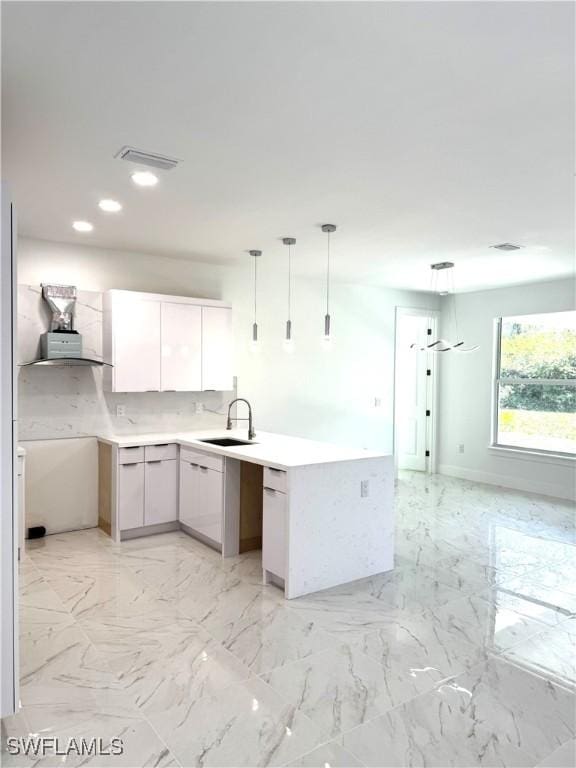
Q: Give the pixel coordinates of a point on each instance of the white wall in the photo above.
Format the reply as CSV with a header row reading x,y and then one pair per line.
x,y
98,269
466,393
318,392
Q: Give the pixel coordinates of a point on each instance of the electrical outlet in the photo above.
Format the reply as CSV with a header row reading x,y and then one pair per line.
x,y
199,408
377,402
120,410
364,488
460,447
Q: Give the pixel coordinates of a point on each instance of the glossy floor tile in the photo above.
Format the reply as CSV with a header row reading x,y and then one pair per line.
x,y
462,656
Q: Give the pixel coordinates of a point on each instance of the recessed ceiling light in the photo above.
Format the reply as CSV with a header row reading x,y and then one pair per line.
x,y
506,247
110,206
82,226
144,179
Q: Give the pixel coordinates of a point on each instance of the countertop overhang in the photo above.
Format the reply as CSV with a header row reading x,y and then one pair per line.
x,y
269,449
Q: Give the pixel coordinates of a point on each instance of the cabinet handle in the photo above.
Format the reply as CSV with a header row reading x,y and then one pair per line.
x,y
154,461
204,468
162,445
270,490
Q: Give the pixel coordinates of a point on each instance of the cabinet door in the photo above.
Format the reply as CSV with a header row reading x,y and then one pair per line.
x,y
161,491
136,345
210,499
131,496
201,500
274,532
181,347
217,348
188,492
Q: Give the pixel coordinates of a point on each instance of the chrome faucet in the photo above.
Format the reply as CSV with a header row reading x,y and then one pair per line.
x,y
251,432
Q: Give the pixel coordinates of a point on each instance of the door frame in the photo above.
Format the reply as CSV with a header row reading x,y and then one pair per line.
x,y
431,389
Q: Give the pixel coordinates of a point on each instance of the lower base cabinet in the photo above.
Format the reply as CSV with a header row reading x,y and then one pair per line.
x,y
147,489
160,492
201,499
131,496
274,510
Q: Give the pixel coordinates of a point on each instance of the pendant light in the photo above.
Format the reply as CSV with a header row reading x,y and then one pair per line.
x,y
328,229
255,255
448,287
289,241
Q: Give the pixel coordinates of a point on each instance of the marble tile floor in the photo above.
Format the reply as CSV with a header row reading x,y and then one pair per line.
x,y
464,655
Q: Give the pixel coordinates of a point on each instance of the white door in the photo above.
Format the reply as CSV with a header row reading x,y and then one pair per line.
x,y
217,348
160,491
136,345
131,495
181,347
411,392
274,532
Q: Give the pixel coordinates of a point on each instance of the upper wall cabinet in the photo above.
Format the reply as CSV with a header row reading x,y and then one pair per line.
x,y
181,347
217,348
163,343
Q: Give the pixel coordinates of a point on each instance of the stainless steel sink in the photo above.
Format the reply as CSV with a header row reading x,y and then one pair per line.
x,y
225,441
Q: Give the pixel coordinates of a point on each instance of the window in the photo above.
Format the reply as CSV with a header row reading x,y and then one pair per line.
x,y
535,387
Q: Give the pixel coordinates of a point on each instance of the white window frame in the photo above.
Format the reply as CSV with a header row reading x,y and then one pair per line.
x,y
497,380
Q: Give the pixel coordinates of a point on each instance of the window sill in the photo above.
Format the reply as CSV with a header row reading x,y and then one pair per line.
x,y
528,454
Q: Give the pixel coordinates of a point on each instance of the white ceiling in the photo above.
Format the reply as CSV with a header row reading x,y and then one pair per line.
x,y
426,131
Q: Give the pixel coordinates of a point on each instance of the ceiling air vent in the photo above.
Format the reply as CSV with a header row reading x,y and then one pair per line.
x,y
506,247
140,157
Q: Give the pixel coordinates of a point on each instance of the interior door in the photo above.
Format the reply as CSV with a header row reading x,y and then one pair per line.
x,y
217,348
136,345
181,347
411,389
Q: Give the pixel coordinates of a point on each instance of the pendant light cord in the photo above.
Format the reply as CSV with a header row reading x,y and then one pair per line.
x,y
255,285
289,281
328,276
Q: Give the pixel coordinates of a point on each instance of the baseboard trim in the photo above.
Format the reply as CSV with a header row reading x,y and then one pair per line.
x,y
504,481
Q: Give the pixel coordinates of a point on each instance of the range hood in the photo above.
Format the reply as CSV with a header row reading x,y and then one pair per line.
x,y
62,345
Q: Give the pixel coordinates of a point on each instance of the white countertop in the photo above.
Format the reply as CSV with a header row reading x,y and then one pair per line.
x,y
278,451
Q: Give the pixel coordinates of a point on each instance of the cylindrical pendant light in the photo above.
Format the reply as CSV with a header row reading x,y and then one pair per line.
x,y
289,241
328,229
256,255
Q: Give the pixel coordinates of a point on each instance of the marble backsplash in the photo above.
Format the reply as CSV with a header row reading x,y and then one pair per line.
x,y
61,402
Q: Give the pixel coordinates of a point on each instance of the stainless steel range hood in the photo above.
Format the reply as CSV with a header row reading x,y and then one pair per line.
x,y
62,345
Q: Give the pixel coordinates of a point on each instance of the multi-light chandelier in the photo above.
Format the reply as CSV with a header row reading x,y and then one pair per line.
x,y
443,345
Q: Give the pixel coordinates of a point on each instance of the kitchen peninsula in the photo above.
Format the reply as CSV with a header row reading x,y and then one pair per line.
x,y
323,514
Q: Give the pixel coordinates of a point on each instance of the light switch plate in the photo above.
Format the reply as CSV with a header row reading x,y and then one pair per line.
x,y
120,410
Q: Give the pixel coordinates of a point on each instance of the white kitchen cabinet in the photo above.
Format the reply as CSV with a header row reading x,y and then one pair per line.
x,y
274,512
147,486
181,347
201,499
135,345
166,343
160,491
217,348
131,495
